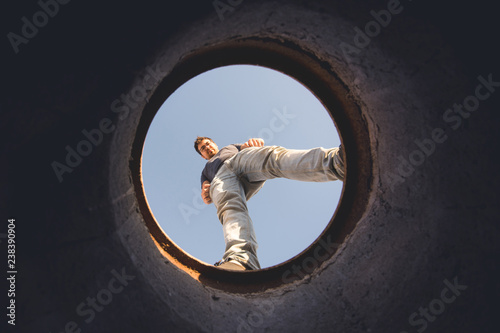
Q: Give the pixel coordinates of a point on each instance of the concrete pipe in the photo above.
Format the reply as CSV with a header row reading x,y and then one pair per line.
x,y
411,88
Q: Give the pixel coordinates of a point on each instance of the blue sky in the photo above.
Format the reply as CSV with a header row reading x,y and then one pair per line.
x,y
232,104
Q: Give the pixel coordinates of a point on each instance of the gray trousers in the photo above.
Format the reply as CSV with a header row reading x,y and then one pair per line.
x,y
243,175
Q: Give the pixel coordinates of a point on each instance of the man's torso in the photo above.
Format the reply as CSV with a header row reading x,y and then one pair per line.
x,y
213,165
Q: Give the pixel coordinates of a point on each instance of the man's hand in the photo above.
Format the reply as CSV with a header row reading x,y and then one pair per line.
x,y
253,143
205,192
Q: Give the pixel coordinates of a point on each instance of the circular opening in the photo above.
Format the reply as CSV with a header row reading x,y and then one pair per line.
x,y
320,77
232,104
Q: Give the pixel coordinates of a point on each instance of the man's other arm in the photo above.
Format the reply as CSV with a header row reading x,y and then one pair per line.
x,y
255,142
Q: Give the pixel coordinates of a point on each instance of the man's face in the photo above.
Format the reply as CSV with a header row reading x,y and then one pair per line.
x,y
207,149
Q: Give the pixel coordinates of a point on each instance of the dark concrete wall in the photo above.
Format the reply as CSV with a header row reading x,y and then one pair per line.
x,y
427,239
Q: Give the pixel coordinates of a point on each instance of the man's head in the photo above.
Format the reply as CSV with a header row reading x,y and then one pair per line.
x,y
206,147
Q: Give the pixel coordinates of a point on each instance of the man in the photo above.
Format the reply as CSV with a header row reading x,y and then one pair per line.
x,y
236,172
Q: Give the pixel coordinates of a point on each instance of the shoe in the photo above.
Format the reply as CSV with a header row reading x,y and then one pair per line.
x,y
337,165
232,265
341,154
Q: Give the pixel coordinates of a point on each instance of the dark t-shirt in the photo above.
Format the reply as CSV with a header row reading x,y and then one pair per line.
x,y
213,165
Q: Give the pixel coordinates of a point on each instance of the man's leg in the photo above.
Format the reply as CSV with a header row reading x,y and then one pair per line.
x,y
228,196
313,165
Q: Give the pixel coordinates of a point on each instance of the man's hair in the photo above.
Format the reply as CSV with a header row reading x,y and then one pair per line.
x,y
198,141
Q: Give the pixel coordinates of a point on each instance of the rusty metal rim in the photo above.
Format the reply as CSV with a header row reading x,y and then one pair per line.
x,y
317,75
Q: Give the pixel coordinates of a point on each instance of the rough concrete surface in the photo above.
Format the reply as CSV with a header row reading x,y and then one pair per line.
x,y
423,253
